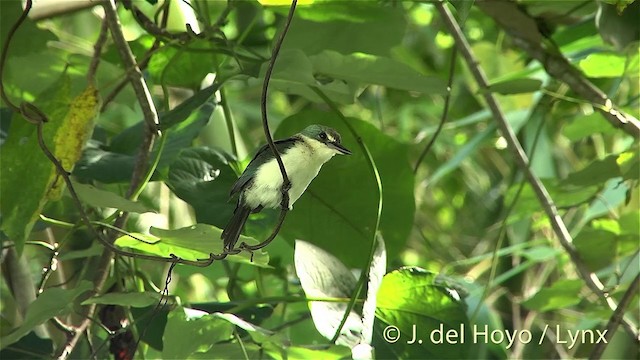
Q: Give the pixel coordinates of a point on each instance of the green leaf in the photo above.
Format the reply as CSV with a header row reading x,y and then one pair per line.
x,y
597,248
52,302
133,299
294,74
382,30
116,164
596,173
203,177
190,243
603,65
369,69
106,199
437,310
190,331
167,65
322,275
338,210
29,347
70,124
515,86
562,294
584,126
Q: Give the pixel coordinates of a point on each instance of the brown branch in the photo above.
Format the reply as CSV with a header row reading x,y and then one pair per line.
x,y
526,35
97,51
616,318
559,228
135,75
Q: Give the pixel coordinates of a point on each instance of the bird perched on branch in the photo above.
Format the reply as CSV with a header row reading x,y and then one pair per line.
x,y
260,185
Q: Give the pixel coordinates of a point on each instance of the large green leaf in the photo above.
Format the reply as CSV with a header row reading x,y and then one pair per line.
x,y
52,302
369,69
190,243
338,210
190,331
203,177
408,300
70,124
116,163
167,65
294,74
382,30
596,173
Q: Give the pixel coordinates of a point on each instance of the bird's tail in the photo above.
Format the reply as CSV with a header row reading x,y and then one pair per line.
x,y
234,227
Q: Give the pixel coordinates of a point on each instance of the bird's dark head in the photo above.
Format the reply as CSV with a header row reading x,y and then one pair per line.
x,y
327,136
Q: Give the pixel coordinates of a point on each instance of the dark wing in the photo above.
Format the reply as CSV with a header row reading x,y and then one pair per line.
x,y
260,157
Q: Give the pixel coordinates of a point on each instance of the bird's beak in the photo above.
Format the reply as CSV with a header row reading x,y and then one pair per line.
x,y
341,149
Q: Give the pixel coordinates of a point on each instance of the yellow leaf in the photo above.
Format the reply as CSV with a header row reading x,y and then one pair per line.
x,y
73,133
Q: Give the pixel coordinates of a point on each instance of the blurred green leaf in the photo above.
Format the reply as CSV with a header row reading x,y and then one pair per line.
x,y
562,294
369,69
190,243
167,65
437,310
133,299
382,30
597,172
587,125
189,331
106,199
338,210
50,303
515,86
29,347
603,65
597,248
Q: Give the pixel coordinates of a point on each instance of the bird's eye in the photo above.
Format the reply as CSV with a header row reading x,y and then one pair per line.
x,y
323,136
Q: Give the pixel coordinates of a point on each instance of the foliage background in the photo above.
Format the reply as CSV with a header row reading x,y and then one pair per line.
x,y
465,218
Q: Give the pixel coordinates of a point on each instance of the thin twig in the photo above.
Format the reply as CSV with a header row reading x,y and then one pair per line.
x,y
616,318
5,51
560,229
263,106
445,111
97,51
286,183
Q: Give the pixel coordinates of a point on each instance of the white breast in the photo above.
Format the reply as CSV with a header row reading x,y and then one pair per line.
x,y
303,162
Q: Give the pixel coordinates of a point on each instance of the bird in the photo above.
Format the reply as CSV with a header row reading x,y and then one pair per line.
x,y
260,185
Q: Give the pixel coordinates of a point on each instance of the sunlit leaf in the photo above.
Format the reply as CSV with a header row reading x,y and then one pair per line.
x,y
190,243
437,309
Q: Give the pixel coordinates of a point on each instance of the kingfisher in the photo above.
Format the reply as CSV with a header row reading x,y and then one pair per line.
x,y
260,185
